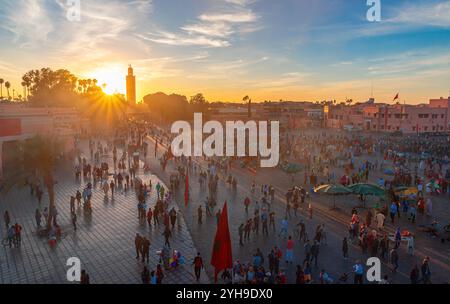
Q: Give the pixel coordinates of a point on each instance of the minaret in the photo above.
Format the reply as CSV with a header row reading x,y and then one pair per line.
x,y
131,86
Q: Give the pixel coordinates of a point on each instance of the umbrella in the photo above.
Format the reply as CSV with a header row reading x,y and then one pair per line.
x,y
389,171
291,168
367,189
331,189
407,191
400,188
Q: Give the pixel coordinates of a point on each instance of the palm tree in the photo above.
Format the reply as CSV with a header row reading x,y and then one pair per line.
x,y
1,87
7,86
38,156
24,86
27,80
247,99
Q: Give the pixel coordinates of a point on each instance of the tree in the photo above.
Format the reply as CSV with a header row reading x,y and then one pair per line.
x,y
24,86
1,87
52,88
198,103
7,86
38,157
247,99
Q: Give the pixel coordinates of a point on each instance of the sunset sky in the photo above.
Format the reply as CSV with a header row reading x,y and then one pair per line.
x,y
226,49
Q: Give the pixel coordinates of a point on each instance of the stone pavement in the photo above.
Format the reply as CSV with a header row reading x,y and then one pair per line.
x,y
104,241
330,257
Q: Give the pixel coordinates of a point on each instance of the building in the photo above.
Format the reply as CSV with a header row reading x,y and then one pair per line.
x,y
131,86
409,119
19,122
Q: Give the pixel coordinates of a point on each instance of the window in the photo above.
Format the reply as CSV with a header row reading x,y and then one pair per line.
x,y
414,128
382,115
382,127
374,126
442,115
434,116
389,127
442,128
398,115
389,115
398,128
434,128
423,115
425,128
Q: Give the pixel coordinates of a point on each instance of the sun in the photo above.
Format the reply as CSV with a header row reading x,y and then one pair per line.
x,y
110,79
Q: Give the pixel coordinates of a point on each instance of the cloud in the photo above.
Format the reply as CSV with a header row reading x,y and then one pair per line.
x,y
240,2
218,29
175,39
215,28
427,14
32,27
239,17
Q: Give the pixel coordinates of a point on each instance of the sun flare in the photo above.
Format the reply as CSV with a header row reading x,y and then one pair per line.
x,y
110,79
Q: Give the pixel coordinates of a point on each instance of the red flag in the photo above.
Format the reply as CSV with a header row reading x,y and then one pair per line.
x,y
186,190
396,97
221,256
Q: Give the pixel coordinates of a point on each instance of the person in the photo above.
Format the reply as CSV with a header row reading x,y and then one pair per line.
x,y
17,234
173,217
38,217
7,219
159,274
145,275
198,265
218,216
425,270
200,214
78,198
105,188
307,248
138,244
284,228
246,204
410,245
84,278
272,220
167,235
72,204
393,211
369,218
412,214
145,247
149,217
11,234
429,207
112,186
241,233
74,220
153,279
300,275
289,250
398,238
315,252
345,248
394,259
358,271
414,275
